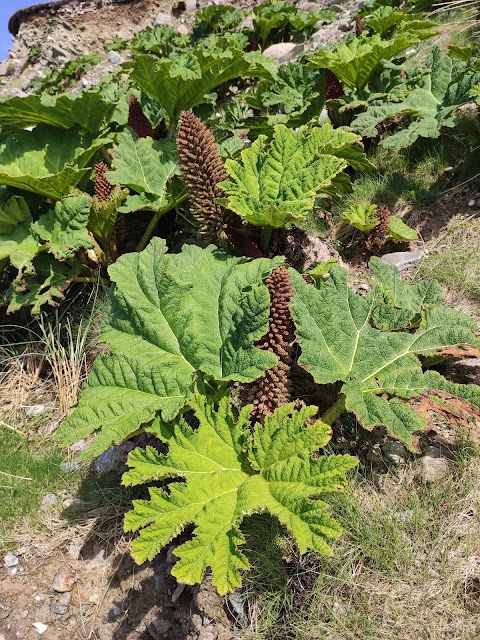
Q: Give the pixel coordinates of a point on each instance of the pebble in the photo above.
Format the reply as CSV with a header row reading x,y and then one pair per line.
x,y
59,609
35,410
395,452
179,589
63,581
162,18
429,470
49,500
40,627
403,259
10,560
4,611
158,628
472,203
114,57
344,25
68,467
75,548
283,51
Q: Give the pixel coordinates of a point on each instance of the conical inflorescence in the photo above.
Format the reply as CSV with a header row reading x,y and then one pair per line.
x,y
103,188
137,120
202,169
272,389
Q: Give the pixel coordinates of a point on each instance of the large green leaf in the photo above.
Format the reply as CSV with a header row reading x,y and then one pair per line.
x,y
64,228
144,165
354,62
17,243
381,369
219,474
182,83
176,319
276,183
89,110
47,160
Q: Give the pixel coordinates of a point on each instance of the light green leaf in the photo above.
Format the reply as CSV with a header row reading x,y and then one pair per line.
x,y
176,318
355,62
89,110
163,81
103,215
64,228
380,369
277,183
144,165
361,216
213,486
47,160
17,243
401,232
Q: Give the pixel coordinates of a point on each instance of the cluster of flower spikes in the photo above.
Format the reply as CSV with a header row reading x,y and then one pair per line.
x,y
103,188
378,235
359,27
272,389
202,169
333,86
137,120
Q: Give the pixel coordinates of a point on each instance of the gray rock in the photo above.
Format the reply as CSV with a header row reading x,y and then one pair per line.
x,y
162,18
57,52
403,259
81,445
36,409
462,370
59,609
114,57
75,548
395,452
64,581
236,601
191,5
179,589
337,7
158,628
308,6
429,470
284,51
344,25
183,30
49,500
10,560
69,467
113,459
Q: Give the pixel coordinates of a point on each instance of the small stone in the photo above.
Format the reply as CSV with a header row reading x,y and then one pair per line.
x,y
472,203
49,500
35,410
403,259
40,627
114,57
4,611
236,600
283,51
116,611
66,598
158,628
344,25
308,6
86,84
183,30
59,609
64,581
113,459
179,589
57,52
363,287
395,452
429,470
162,18
336,7
75,548
10,560
68,467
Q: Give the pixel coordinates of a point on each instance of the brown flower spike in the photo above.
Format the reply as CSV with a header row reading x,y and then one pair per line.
x,y
272,389
333,86
137,120
358,25
378,235
202,169
103,188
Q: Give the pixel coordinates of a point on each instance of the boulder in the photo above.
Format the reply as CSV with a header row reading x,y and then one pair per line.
x,y
284,51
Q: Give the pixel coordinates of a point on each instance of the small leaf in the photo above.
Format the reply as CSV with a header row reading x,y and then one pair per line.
x,y
361,216
401,232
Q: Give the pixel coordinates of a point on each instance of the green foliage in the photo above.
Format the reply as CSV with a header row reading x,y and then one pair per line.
x,y
216,19
144,166
380,368
177,320
47,160
361,216
89,110
61,79
386,19
427,108
163,41
279,15
276,183
220,473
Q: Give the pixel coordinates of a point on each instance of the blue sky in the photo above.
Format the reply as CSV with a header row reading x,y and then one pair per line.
x,y
7,7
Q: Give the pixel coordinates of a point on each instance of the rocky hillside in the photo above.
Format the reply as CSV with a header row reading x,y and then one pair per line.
x,y
48,35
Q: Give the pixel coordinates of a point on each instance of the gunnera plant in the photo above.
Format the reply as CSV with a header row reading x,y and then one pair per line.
x,y
272,389
202,170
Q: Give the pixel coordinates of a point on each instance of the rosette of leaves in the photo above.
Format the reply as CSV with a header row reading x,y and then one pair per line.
x,y
276,183
162,40
220,473
364,217
61,233
275,19
216,19
179,323
375,344
31,160
390,20
427,108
